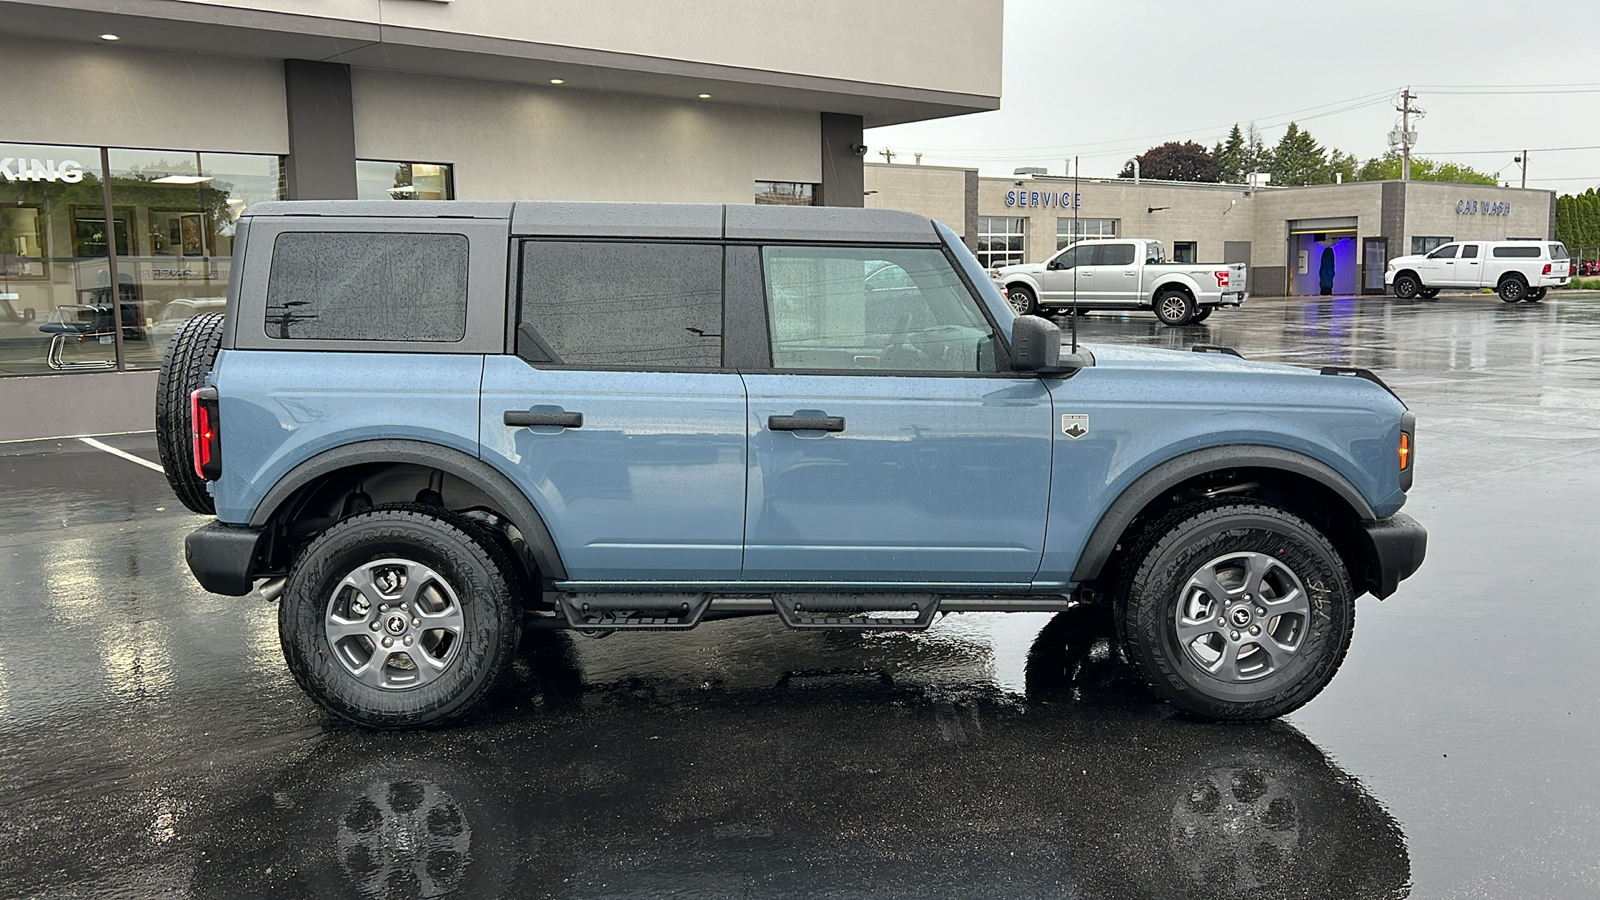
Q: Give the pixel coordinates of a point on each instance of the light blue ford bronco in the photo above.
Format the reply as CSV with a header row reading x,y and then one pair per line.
x,y
425,427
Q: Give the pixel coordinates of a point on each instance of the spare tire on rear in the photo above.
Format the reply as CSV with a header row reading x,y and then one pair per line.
x,y
188,360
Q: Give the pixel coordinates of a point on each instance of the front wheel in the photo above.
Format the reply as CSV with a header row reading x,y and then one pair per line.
x,y
1407,286
1536,294
1022,300
1237,612
1174,308
400,617
1513,289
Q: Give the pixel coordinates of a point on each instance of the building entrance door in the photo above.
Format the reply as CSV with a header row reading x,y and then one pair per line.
x,y
1374,259
1322,262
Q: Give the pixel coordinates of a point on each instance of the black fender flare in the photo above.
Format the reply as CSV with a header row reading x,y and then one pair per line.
x,y
486,478
1164,477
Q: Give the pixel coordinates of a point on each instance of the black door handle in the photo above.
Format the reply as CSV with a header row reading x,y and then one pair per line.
x,y
805,423
522,418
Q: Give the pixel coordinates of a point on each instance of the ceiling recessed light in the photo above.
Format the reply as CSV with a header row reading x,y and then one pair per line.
x,y
705,96
109,37
558,81
181,179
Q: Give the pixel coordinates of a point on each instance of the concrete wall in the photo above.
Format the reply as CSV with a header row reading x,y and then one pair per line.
x,y
66,405
943,45
938,192
100,94
530,143
1432,210
1276,207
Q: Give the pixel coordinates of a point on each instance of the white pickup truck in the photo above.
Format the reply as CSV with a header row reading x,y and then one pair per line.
x,y
1122,274
1519,271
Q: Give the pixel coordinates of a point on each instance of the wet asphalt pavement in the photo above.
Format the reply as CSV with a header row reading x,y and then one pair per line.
x,y
152,744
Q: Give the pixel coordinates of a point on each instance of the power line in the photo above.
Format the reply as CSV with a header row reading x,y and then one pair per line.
x,y
1511,150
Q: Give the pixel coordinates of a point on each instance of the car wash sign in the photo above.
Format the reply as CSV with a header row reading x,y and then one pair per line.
x,y
67,171
1064,199
1482,208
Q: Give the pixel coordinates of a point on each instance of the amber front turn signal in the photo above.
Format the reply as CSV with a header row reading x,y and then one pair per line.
x,y
1405,451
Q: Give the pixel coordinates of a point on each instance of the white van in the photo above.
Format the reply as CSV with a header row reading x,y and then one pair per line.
x,y
1517,270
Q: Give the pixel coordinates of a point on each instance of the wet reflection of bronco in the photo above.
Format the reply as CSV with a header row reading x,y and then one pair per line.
x,y
428,426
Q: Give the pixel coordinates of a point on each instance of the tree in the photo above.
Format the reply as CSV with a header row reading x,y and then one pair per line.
x,y
1232,157
1342,163
1578,220
1298,159
1173,161
1388,166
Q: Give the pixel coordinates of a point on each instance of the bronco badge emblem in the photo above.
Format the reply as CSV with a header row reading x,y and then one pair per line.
x,y
1074,426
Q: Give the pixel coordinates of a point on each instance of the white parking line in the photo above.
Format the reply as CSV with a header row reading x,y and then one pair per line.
x,y
127,456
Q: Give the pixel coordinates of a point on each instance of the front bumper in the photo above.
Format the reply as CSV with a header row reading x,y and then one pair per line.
x,y
1395,547
222,557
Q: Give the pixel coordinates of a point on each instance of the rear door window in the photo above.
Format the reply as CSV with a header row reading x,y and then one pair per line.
x,y
367,287
619,304
1116,255
1469,251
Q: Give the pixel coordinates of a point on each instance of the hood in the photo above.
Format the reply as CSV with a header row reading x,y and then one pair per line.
x,y
1409,259
1021,269
1124,356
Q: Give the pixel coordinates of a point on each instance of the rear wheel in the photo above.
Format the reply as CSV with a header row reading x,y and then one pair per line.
x,y
1428,293
1513,289
189,358
1022,300
1407,286
1174,308
1536,294
1202,314
400,617
1237,612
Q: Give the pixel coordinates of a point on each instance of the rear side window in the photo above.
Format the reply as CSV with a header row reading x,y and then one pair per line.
x,y
1516,252
356,286
633,305
1117,255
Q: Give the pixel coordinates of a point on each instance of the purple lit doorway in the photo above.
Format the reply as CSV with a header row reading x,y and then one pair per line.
x,y
1305,262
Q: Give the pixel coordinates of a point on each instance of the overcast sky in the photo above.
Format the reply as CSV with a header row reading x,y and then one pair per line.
x,y
1106,80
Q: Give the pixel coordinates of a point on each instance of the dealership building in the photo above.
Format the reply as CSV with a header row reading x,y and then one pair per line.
x,y
134,132
1280,232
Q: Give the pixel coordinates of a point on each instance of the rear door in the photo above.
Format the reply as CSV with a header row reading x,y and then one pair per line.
x,y
1469,266
1116,273
887,446
616,416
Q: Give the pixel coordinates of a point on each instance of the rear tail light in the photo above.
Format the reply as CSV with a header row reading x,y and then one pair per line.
x,y
203,422
1547,268
1222,278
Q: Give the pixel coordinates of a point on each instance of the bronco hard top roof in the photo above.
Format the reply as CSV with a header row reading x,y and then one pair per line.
x,y
560,218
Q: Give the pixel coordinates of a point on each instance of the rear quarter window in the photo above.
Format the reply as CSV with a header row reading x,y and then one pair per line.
x,y
359,286
1558,251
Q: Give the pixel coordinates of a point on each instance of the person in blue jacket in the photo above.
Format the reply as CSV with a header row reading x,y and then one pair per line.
x,y
1327,271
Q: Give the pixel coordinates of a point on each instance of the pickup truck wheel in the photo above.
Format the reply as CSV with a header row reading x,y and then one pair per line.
x,y
1237,612
400,617
1428,293
1022,300
1407,286
190,355
1513,289
1174,308
1202,314
1535,294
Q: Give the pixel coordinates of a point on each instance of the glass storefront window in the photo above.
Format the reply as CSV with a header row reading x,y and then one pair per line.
x,y
785,193
176,212
379,180
57,311
1069,230
1002,240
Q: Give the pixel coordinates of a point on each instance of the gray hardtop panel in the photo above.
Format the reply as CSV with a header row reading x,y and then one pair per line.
x,y
828,224
535,218
409,209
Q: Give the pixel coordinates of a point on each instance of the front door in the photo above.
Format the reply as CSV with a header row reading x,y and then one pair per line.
x,y
1439,267
885,445
1069,275
615,417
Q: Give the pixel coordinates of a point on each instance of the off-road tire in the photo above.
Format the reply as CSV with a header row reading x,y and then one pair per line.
x,y
1407,286
1185,543
1428,293
189,358
1535,294
462,554
1174,308
1022,299
1513,289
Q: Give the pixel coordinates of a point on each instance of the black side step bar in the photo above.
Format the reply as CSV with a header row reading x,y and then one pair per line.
x,y
634,612
861,612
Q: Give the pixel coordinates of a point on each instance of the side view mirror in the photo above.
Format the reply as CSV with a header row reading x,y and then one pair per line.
x,y
1036,347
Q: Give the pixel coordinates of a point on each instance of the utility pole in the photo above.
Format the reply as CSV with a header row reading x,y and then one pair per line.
x,y
1524,160
1405,135
887,154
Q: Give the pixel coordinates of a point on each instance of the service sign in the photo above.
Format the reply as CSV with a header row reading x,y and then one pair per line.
x,y
1043,198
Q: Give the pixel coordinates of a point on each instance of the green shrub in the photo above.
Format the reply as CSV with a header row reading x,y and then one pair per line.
x,y
1585,284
